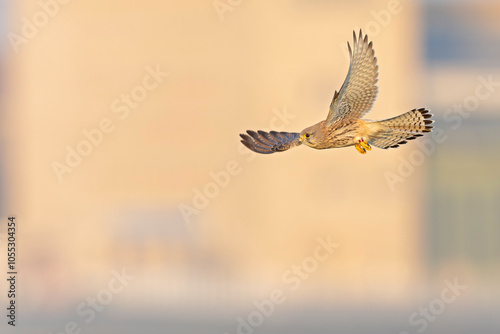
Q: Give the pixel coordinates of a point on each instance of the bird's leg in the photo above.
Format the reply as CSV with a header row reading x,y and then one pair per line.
x,y
360,148
363,146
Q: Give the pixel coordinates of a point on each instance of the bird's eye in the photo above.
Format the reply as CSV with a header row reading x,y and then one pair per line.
x,y
307,135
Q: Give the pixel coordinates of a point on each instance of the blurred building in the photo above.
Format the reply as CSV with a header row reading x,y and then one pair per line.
x,y
462,48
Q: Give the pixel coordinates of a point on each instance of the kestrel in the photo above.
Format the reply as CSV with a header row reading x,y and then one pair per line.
x,y
343,126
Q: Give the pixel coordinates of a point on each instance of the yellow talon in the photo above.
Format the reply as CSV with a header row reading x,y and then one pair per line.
x,y
365,145
360,149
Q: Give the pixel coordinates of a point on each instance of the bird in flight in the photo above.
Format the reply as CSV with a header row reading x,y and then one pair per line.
x,y
343,126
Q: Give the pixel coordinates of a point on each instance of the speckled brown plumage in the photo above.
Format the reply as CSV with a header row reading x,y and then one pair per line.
x,y
343,125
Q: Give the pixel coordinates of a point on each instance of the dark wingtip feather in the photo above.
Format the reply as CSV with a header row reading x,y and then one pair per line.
x,y
254,135
244,136
267,136
248,145
256,148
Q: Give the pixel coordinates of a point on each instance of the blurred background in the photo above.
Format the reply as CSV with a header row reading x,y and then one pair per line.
x,y
138,209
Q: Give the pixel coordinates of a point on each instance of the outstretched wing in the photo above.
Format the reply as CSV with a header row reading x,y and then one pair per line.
x,y
359,91
270,142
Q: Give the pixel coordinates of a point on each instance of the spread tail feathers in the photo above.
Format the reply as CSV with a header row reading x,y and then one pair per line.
x,y
398,130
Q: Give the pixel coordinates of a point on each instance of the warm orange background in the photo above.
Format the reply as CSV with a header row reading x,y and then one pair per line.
x,y
121,206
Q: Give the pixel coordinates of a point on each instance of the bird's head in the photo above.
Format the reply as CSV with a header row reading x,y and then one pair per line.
x,y
312,135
